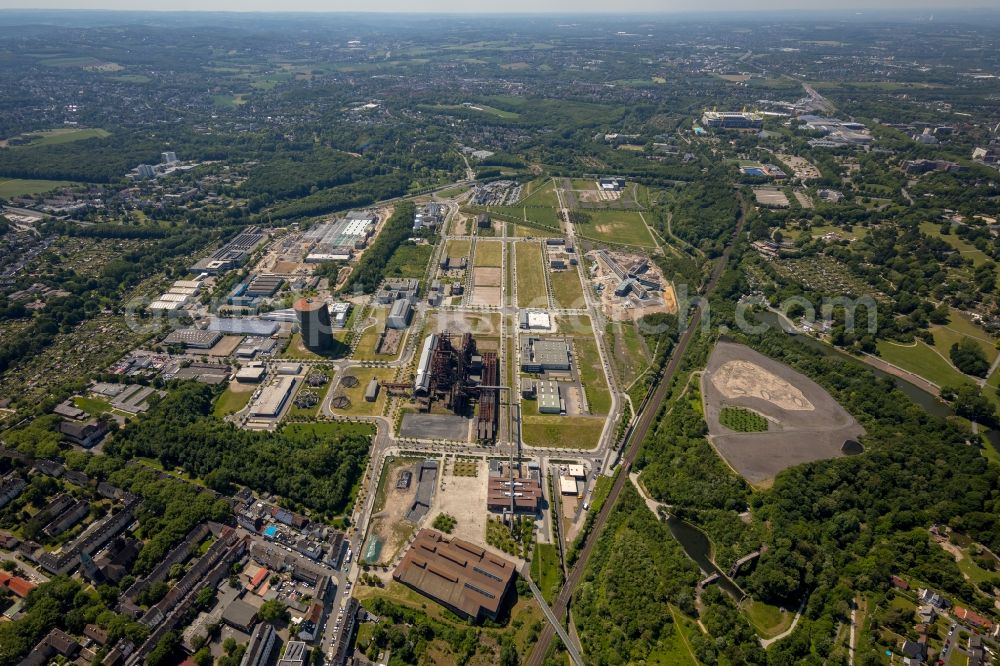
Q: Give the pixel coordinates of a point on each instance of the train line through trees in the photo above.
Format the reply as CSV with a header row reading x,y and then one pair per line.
x,y
643,424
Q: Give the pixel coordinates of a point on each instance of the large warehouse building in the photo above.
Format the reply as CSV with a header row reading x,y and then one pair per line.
x,y
194,338
273,398
336,240
459,575
544,354
400,314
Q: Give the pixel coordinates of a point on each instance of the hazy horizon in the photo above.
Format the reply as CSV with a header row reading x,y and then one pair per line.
x,y
512,7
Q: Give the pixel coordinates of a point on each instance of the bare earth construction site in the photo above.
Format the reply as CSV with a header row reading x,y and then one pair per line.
x,y
804,423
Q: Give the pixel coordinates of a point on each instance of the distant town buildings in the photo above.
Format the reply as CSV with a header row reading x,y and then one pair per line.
x,y
232,254
988,155
916,167
727,120
611,183
837,133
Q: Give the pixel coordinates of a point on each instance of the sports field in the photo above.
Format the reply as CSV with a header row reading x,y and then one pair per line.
x,y
64,135
17,187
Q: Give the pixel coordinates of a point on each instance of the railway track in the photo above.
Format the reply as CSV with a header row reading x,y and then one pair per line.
x,y
647,416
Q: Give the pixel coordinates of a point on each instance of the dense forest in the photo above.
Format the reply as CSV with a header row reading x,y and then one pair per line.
x,y
637,579
348,195
318,473
704,212
109,159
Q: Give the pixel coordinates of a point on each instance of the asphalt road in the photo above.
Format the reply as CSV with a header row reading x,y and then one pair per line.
x,y
647,416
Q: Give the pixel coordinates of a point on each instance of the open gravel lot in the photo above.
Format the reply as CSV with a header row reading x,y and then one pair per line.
x,y
805,422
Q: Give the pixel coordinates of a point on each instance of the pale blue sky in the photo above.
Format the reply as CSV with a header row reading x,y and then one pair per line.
x,y
518,6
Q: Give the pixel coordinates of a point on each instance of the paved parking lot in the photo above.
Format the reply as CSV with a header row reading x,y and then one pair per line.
x,y
435,426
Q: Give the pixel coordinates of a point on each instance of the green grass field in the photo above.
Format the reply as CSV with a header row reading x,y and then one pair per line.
x,y
921,360
628,349
579,432
602,488
71,61
305,432
230,401
453,191
768,620
17,187
457,248
584,184
960,327
530,276
592,374
482,108
616,226
63,135
856,232
543,195
567,292
544,216
976,574
546,571
521,231
92,406
229,101
966,249
365,349
356,394
489,253
957,658
131,78
297,350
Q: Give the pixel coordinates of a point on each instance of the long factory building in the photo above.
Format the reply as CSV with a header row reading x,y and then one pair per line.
x,y
422,381
273,398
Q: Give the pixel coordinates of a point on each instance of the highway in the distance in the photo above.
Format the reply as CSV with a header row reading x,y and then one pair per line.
x,y
647,416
